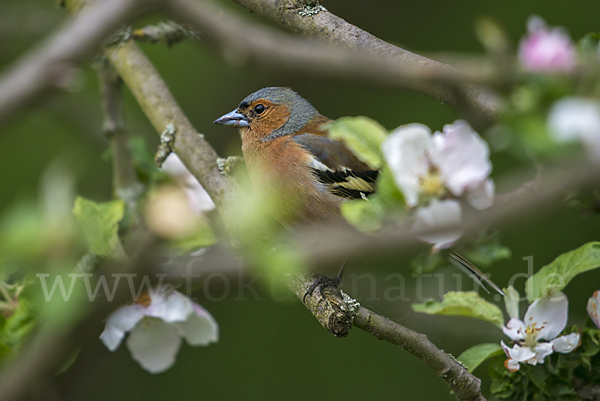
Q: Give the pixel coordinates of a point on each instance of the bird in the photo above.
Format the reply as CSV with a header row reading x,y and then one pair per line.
x,y
289,155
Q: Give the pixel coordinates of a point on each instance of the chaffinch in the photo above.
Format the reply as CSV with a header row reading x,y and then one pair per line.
x,y
289,155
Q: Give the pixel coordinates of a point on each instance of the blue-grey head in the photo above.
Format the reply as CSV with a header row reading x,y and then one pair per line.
x,y
275,111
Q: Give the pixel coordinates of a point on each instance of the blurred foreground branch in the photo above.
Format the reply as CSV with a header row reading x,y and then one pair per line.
x,y
372,61
51,65
333,30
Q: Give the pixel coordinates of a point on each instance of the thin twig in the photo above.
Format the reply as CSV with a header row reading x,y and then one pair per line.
x,y
125,183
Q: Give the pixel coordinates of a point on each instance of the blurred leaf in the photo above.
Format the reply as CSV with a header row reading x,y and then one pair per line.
x,y
201,238
100,223
474,356
387,202
426,262
468,304
588,44
365,215
562,270
143,159
511,301
22,320
363,137
488,250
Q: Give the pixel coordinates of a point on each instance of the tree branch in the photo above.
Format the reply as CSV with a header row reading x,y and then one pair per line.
x,y
336,312
162,109
125,182
332,29
245,42
50,65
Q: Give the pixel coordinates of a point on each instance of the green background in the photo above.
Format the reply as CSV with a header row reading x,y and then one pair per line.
x,y
269,349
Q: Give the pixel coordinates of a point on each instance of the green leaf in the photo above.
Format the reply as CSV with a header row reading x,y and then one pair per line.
x,y
100,223
488,250
363,137
562,270
474,356
468,304
201,238
426,262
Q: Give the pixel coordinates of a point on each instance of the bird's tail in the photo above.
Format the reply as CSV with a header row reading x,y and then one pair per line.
x,y
471,270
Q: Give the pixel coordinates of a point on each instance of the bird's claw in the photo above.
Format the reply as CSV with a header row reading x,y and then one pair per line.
x,y
321,282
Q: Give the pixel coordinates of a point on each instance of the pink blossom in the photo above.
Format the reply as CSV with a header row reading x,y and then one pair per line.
x,y
546,49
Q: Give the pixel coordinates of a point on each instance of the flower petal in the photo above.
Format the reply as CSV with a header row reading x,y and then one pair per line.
x,y
515,329
548,314
198,198
438,215
542,350
461,156
566,344
574,118
405,153
154,344
172,307
200,328
511,365
120,322
482,196
518,353
546,49
593,307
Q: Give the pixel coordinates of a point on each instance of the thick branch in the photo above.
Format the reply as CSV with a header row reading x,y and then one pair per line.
x,y
162,109
528,202
332,29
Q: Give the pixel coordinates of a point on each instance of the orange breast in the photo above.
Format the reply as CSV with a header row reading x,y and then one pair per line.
x,y
279,169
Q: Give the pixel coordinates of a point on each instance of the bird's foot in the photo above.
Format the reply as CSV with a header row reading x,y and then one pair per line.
x,y
321,282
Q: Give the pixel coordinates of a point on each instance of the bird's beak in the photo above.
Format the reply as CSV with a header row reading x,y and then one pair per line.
x,y
233,119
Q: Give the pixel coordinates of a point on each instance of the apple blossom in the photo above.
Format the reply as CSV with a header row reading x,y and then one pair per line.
x,y
428,167
593,307
198,198
156,324
546,49
438,214
576,119
544,320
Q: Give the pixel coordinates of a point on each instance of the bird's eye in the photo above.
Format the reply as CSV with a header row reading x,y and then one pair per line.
x,y
259,108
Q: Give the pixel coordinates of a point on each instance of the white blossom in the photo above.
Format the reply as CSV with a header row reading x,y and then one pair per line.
x,y
536,337
438,215
576,119
198,198
593,307
428,168
455,160
156,328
